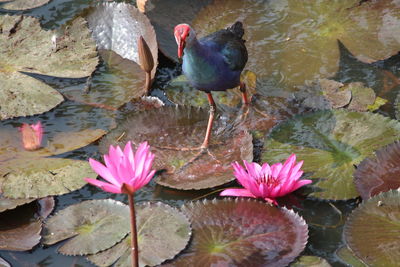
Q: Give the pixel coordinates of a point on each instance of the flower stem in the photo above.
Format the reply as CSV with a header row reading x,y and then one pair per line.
x,y
134,243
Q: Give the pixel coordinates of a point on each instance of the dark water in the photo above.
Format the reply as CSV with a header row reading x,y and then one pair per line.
x,y
325,220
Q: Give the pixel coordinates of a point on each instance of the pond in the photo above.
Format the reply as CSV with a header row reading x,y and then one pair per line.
x,y
323,79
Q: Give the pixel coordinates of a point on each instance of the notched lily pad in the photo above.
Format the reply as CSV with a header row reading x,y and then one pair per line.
x,y
45,177
372,230
71,54
109,23
92,225
379,173
22,4
242,232
161,229
175,134
331,143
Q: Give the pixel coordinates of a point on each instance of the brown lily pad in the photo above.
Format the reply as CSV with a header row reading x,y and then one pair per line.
x,y
109,21
372,231
175,134
8,204
92,225
242,232
160,228
22,4
379,173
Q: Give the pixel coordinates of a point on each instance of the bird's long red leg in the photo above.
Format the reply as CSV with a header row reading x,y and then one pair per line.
x,y
244,93
213,108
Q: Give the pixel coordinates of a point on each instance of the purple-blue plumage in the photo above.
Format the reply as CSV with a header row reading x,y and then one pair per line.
x,y
214,63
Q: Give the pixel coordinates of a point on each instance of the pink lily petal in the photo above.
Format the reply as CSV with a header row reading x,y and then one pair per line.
x,y
236,192
101,170
104,186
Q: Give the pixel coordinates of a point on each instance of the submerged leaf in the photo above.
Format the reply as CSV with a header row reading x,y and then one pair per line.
x,y
109,23
92,225
372,231
242,232
331,143
175,135
161,229
379,173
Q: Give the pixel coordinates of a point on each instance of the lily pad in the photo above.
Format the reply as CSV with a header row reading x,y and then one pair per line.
x,y
372,230
175,135
284,36
92,225
331,143
161,229
362,97
379,173
4,263
45,177
75,56
8,204
346,255
21,238
22,4
109,23
242,232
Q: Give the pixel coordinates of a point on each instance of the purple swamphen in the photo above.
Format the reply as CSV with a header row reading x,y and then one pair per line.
x,y
213,63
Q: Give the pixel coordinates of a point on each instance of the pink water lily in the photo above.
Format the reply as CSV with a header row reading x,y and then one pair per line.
x,y
125,172
267,182
32,135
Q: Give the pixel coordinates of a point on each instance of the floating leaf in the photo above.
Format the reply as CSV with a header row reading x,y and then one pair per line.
x,y
380,173
45,177
242,232
22,4
4,263
310,261
75,56
377,104
109,21
174,134
372,231
345,255
8,204
92,225
160,228
362,97
331,143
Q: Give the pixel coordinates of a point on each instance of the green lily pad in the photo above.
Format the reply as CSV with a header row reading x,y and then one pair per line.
x,y
372,230
331,143
22,4
310,261
109,21
8,204
92,225
45,177
284,37
346,255
175,135
161,229
379,173
75,56
362,97
242,232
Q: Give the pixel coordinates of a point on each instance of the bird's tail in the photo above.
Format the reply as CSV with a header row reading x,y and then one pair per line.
x,y
237,29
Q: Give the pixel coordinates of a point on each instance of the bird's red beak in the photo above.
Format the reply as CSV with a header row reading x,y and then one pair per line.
x,y
181,32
